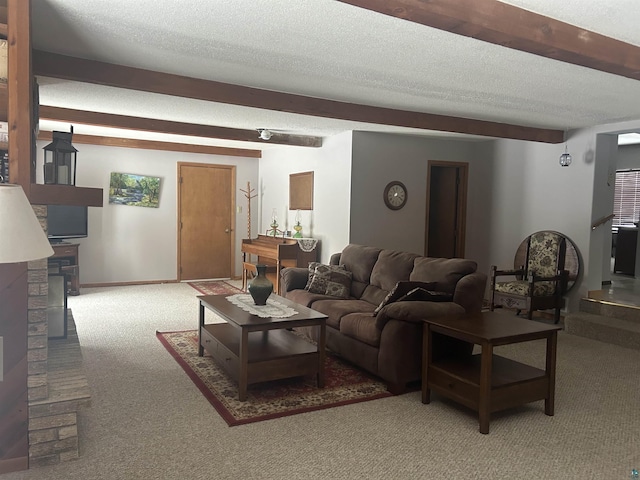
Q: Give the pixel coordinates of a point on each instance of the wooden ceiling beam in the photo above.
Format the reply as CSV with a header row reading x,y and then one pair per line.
x,y
171,127
90,71
513,27
156,145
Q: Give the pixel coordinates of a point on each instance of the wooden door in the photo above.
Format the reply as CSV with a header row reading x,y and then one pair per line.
x,y
446,209
206,207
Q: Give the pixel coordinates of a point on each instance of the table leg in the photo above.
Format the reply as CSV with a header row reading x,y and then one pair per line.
x,y
426,362
484,404
243,377
321,353
550,370
201,324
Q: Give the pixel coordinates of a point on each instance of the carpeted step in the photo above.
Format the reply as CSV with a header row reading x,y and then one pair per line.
x,y
605,329
607,309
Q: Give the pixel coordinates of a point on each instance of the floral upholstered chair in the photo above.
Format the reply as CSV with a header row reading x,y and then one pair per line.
x,y
539,284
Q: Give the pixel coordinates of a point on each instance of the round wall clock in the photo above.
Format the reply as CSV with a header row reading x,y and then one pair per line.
x,y
395,195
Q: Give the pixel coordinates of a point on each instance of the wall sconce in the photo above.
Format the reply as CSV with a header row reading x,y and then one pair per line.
x,y
60,160
565,158
264,134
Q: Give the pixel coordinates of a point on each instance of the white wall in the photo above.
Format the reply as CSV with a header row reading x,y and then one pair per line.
x,y
331,164
137,244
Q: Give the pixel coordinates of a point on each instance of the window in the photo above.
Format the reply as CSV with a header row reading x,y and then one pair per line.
x,y
626,202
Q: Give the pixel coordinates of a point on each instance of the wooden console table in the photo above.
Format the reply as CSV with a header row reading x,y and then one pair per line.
x,y
489,383
66,255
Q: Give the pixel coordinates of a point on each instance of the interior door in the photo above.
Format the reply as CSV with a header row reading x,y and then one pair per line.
x,y
446,209
206,206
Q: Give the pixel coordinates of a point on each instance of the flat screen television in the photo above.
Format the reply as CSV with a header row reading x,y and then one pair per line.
x,y
66,221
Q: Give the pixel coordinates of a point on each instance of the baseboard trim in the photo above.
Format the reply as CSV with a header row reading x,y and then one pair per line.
x,y
124,284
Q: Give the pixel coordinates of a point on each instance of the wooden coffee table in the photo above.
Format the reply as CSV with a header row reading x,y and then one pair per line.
x,y
253,349
489,383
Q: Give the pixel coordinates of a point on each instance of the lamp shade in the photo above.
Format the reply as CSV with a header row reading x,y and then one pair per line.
x,y
21,235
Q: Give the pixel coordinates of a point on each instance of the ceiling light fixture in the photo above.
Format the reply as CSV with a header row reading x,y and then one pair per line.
x,y
264,134
565,158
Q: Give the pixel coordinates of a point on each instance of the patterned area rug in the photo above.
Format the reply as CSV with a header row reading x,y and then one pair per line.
x,y
215,287
344,385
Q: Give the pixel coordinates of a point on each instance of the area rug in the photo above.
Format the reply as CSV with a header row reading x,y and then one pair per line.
x,y
215,287
344,385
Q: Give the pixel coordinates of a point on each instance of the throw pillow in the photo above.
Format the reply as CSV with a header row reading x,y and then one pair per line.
x,y
331,280
401,289
312,270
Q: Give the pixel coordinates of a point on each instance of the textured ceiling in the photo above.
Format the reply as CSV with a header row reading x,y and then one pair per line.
x,y
328,49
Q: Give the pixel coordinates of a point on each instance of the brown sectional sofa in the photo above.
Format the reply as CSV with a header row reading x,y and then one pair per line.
x,y
389,344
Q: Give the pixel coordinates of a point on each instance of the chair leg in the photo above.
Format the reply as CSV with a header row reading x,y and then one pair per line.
x,y
530,313
556,317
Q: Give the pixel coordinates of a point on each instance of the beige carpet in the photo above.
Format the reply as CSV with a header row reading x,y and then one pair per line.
x,y
148,421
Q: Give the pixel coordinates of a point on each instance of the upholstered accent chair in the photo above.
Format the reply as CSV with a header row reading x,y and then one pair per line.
x,y
539,284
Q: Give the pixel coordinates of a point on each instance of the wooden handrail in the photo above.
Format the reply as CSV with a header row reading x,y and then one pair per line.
x,y
602,221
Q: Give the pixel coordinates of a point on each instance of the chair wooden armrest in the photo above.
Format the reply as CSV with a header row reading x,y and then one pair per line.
x,y
510,272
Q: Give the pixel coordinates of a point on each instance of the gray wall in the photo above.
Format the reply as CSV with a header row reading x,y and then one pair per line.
x,y
379,158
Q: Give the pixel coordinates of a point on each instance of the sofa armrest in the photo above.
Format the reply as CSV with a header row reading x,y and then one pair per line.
x,y
416,312
470,291
293,278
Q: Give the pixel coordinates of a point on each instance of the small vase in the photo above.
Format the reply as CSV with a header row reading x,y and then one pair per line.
x,y
260,287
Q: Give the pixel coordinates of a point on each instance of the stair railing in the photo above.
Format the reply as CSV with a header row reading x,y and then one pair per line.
x,y
602,221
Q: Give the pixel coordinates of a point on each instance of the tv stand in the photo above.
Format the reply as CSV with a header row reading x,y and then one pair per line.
x,y
65,255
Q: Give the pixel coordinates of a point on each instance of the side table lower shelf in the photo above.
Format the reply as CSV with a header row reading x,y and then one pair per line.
x,y
512,383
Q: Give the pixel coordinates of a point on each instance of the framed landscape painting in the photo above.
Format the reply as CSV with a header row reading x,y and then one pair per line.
x,y
137,190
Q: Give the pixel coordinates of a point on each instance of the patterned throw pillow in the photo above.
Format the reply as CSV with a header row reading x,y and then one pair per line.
x,y
312,271
332,280
400,290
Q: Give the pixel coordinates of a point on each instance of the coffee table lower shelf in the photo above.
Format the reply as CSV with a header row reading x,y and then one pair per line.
x,y
272,354
512,383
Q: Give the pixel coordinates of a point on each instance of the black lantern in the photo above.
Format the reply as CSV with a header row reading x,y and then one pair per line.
x,y
60,160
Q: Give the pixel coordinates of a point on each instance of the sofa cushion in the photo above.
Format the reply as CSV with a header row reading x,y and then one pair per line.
x,y
336,309
359,260
362,327
416,312
444,271
331,280
391,268
306,298
401,289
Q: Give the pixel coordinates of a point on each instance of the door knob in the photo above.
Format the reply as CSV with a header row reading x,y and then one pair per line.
x,y
226,230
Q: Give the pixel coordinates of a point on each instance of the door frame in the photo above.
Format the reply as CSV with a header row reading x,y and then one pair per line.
x,y
232,233
461,214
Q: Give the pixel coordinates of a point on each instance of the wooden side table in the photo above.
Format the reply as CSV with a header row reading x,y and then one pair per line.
x,y
486,382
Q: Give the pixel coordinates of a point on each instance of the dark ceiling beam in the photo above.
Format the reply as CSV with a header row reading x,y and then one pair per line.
x,y
512,27
171,127
156,145
90,71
